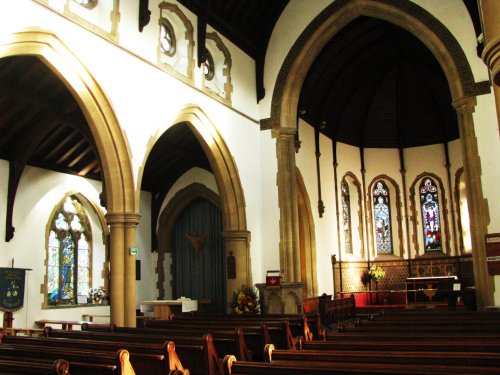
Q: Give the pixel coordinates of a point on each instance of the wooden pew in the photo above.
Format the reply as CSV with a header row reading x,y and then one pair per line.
x,y
195,352
91,317
226,341
65,324
468,358
431,344
308,326
256,334
341,311
23,331
146,358
329,368
234,367
21,366
82,362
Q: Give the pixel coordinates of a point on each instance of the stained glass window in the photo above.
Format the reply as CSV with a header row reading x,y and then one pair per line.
x,y
382,218
346,217
431,217
68,254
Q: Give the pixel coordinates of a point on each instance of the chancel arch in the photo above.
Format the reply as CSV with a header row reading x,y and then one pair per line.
x,y
118,187
450,56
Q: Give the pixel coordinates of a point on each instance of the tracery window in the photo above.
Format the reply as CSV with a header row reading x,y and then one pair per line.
x,y
209,66
431,218
382,218
69,251
86,3
346,217
167,38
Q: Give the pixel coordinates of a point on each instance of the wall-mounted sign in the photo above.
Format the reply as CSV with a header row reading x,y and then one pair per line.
x,y
492,244
132,250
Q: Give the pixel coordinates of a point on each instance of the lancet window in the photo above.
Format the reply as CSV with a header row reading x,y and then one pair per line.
x,y
431,217
382,218
68,257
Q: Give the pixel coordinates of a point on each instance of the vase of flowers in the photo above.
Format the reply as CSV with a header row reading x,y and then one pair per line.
x,y
97,295
376,274
245,301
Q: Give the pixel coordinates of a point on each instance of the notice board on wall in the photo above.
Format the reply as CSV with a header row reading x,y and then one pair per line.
x,y
492,244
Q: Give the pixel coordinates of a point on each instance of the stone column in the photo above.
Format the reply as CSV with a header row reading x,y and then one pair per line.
x,y
490,14
287,197
122,267
478,208
131,221
238,242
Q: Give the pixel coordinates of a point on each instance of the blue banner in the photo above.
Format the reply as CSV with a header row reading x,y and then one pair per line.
x,y
11,288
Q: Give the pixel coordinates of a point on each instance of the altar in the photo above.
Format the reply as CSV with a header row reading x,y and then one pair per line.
x,y
432,289
163,308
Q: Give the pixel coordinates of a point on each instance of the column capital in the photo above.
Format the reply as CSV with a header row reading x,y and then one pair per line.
x,y
236,235
465,103
284,132
125,218
491,57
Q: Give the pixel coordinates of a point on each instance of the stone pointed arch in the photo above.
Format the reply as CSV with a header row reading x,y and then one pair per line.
x,y
307,240
447,51
111,147
232,202
109,139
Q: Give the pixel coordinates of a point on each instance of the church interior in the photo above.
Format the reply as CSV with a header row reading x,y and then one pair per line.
x,y
160,156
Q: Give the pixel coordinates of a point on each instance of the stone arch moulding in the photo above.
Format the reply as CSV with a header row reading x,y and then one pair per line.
x,y
232,201
463,88
307,239
111,145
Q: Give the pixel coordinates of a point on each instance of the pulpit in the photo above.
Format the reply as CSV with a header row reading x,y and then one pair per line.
x,y
286,299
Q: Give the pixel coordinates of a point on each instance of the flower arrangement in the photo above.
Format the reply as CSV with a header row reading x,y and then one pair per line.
x,y
245,301
376,273
97,295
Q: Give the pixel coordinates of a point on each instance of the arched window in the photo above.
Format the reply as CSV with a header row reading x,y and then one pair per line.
x,y
382,218
69,250
346,217
431,218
